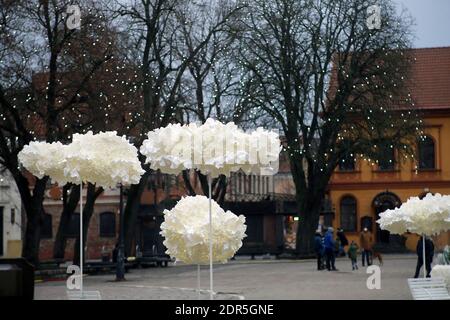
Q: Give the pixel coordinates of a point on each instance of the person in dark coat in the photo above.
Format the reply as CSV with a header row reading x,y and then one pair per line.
x,y
330,244
318,248
429,253
115,253
365,241
343,242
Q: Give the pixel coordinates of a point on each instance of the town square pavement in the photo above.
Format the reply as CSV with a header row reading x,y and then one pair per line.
x,y
266,279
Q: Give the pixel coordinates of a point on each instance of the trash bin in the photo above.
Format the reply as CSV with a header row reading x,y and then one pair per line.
x,y
10,280
16,278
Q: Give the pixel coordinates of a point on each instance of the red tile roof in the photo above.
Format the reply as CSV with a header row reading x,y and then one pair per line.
x,y
430,78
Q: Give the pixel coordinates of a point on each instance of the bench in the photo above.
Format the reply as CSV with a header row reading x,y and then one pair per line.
x,y
428,289
50,264
257,249
161,260
97,267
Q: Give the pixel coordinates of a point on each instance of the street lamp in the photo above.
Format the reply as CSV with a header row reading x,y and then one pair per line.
x,y
120,264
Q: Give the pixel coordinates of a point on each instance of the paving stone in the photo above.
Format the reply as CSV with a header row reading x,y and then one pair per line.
x,y
249,279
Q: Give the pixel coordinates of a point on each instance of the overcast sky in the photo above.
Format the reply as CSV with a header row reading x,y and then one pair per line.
x,y
432,21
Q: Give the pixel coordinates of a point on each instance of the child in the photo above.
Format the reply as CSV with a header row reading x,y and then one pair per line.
x,y
353,254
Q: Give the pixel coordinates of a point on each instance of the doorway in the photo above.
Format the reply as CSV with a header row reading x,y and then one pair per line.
x,y
386,241
383,236
382,202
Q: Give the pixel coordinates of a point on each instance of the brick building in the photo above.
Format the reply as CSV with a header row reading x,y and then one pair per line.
x,y
359,191
10,218
103,227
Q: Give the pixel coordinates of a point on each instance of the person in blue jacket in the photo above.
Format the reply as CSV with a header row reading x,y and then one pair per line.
x,y
318,248
330,244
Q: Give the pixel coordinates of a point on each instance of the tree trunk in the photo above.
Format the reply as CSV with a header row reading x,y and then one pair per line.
x,y
131,211
30,250
307,226
70,205
309,202
187,183
203,182
32,201
221,190
88,210
218,188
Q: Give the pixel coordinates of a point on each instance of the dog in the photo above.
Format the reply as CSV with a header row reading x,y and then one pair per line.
x,y
377,255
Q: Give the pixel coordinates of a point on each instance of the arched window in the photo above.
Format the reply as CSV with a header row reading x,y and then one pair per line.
x,y
107,224
348,213
426,153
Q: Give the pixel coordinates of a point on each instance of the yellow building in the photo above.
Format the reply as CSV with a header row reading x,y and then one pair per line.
x,y
359,191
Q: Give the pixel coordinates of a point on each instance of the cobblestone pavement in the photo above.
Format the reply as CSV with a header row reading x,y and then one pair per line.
x,y
249,279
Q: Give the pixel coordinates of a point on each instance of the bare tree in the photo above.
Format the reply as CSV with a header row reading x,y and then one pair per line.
x,y
335,88
40,90
70,199
211,84
108,100
153,31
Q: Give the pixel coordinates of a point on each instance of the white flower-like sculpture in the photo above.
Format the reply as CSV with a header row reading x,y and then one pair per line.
x,y
169,148
429,216
104,159
213,148
441,271
45,159
186,231
394,220
269,146
226,148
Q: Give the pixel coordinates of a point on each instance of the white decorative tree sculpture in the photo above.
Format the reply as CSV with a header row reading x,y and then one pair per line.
x,y
428,216
213,148
104,159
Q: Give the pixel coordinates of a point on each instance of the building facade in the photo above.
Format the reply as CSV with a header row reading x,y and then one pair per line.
x,y
10,218
104,225
359,190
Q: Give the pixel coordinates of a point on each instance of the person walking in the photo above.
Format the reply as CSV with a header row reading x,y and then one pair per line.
x,y
429,253
318,247
353,255
343,242
337,247
330,244
366,245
